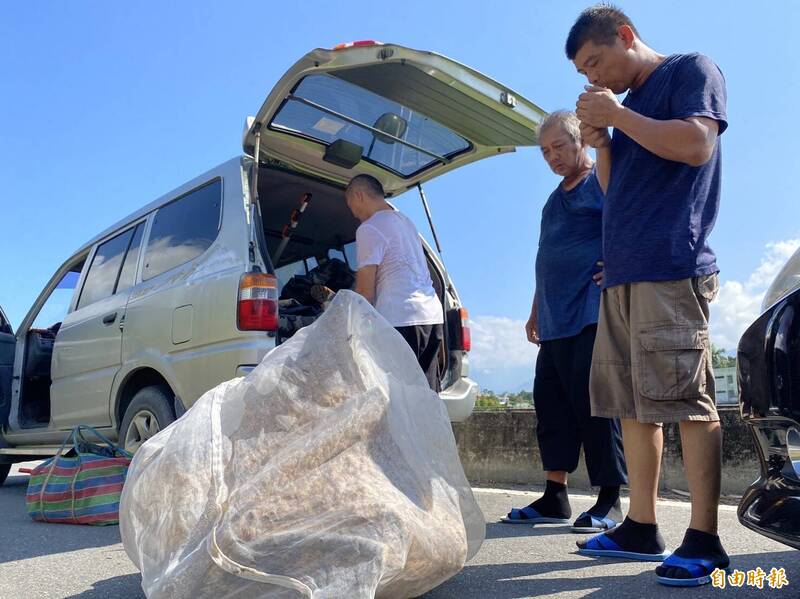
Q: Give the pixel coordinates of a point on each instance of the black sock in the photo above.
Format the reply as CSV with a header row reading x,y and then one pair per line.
x,y
607,504
696,544
555,501
637,537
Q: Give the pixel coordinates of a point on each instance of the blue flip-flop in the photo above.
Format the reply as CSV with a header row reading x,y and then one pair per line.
x,y
700,570
529,515
603,546
595,524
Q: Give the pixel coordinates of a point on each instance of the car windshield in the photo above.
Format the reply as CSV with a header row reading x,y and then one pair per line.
x,y
327,109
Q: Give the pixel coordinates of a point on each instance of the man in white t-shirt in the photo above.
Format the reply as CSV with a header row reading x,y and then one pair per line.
x,y
393,272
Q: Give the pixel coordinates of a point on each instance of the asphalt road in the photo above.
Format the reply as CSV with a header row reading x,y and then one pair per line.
x,y
48,561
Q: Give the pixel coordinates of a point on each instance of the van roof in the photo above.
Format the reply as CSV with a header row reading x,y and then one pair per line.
x,y
225,170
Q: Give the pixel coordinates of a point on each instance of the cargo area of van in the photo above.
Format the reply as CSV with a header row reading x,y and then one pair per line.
x,y
320,251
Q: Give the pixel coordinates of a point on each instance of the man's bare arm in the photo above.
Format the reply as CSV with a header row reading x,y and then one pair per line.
x,y
690,141
599,139
532,324
366,279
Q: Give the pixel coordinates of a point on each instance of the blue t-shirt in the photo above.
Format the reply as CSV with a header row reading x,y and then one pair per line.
x,y
570,245
659,213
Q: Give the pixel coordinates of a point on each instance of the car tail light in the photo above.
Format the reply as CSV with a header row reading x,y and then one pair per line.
x,y
258,302
466,335
357,44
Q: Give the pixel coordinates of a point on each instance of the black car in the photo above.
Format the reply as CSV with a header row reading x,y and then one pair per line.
x,y
768,363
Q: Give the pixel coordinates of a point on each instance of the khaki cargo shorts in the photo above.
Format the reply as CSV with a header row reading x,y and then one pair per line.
x,y
652,355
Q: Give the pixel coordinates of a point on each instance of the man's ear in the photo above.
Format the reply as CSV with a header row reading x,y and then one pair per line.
x,y
627,36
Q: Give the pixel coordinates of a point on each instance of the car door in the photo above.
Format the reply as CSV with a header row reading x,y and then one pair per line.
x,y
8,344
403,116
88,347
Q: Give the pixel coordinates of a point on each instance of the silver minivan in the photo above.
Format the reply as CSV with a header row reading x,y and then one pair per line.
x,y
193,289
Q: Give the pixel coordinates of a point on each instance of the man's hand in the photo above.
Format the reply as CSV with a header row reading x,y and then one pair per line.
x,y
599,277
597,106
530,329
595,137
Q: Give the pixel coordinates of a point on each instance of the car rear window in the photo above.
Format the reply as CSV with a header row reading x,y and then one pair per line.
x,y
332,95
183,229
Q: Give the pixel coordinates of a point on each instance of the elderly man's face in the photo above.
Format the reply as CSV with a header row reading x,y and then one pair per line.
x,y
606,66
563,155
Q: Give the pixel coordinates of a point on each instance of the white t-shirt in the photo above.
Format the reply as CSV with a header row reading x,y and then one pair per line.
x,y
404,291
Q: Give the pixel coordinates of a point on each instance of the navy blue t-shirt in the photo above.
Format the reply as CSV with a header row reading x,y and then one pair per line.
x,y
570,245
659,213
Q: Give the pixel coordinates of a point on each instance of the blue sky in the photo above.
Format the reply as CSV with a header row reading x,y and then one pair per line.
x,y
107,105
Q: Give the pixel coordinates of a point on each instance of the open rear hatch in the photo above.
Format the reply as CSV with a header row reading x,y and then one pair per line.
x,y
401,115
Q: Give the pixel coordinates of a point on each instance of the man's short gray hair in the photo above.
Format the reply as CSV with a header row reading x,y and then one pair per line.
x,y
366,184
567,120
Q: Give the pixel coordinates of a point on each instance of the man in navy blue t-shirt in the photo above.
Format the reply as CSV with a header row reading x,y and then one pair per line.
x,y
563,322
651,361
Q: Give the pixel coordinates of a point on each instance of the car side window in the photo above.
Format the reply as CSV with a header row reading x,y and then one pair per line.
x,y
183,229
102,276
127,276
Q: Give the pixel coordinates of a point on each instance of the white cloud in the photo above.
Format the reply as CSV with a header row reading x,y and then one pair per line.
x,y
502,358
499,343
739,303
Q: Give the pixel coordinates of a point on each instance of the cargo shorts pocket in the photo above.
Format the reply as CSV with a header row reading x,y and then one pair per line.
x,y
672,362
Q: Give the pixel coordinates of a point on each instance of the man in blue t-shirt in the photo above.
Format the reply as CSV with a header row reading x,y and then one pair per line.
x,y
563,323
652,361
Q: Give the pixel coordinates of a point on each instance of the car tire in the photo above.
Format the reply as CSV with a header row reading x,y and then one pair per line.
x,y
4,470
150,411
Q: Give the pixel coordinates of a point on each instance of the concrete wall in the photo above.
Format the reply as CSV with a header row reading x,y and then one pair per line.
x,y
500,447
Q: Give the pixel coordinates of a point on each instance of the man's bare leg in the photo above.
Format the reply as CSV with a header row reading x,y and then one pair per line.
x,y
643,444
557,476
702,460
638,535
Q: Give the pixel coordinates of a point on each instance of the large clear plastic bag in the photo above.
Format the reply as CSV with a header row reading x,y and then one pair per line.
x,y
330,471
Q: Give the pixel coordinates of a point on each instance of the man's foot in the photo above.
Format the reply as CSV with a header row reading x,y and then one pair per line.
x,y
551,508
692,563
629,540
605,514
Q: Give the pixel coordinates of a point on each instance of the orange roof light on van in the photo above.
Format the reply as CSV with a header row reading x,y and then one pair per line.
x,y
356,44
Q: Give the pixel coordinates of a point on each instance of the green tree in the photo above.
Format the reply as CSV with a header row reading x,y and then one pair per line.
x,y
487,400
720,357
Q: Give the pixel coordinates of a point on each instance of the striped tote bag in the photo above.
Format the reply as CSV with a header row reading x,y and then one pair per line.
x,y
81,484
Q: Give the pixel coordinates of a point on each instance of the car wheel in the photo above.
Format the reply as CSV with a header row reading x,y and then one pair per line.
x,y
149,412
4,470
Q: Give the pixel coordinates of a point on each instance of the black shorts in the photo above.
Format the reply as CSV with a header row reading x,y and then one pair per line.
x,y
564,420
425,341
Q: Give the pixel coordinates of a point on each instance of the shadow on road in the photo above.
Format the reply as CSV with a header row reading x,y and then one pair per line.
x,y
513,580
22,538
128,586
501,530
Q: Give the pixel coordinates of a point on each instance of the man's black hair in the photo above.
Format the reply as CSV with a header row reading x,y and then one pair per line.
x,y
598,24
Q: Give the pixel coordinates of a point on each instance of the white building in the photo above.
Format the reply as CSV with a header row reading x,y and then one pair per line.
x,y
726,385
